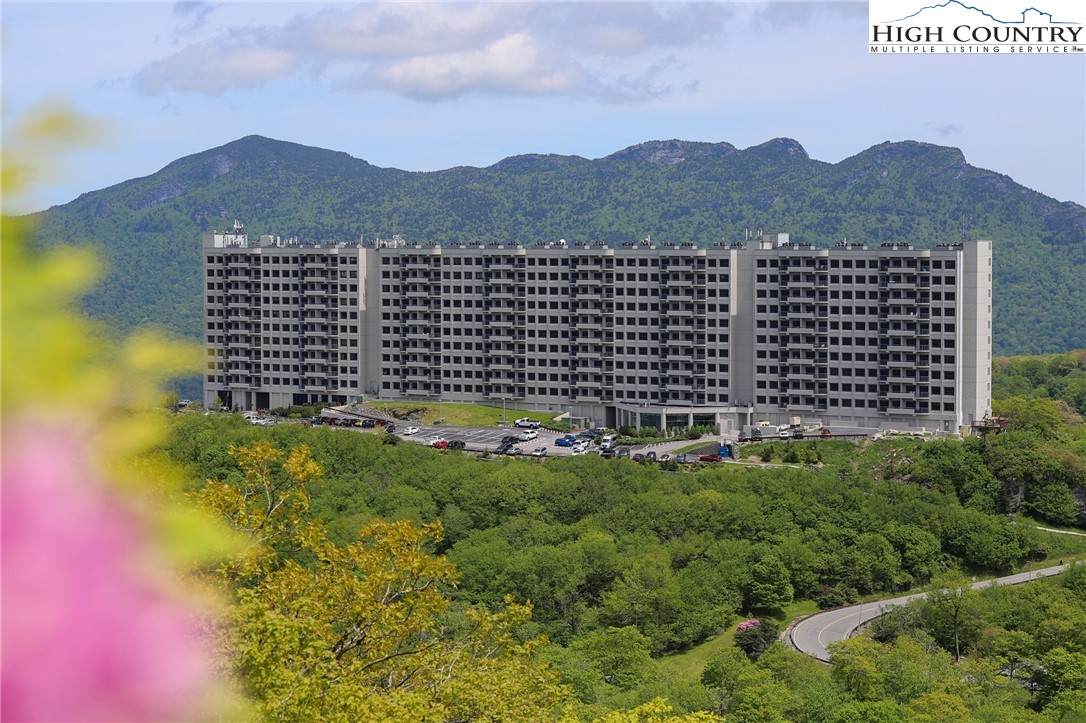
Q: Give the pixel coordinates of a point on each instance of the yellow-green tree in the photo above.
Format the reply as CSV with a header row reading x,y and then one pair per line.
x,y
356,632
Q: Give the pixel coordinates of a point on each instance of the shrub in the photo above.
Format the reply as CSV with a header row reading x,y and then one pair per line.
x,y
755,636
835,597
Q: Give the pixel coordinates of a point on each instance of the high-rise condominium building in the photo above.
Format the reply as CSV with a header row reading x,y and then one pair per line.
x,y
642,334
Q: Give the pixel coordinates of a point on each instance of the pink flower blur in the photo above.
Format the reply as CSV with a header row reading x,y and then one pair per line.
x,y
747,624
85,635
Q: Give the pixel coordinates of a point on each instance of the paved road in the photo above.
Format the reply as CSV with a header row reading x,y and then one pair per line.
x,y
811,635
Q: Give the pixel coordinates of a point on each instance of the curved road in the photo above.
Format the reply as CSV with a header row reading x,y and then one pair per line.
x,y
811,635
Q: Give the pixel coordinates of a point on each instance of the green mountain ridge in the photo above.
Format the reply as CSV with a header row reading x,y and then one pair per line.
x,y
149,228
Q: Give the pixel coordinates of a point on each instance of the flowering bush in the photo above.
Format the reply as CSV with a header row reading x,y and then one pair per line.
x,y
753,637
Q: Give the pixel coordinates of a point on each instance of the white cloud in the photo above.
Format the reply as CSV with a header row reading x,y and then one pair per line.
x,y
437,50
215,67
513,64
401,30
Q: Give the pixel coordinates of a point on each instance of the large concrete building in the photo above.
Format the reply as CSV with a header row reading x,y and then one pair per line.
x,y
642,334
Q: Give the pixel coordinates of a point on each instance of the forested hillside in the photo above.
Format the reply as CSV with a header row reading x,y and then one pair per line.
x,y
1059,377
149,228
626,564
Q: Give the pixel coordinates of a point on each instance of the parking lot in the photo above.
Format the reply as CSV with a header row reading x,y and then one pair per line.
x,y
486,439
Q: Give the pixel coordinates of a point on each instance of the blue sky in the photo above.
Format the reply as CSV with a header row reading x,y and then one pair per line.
x,y
424,86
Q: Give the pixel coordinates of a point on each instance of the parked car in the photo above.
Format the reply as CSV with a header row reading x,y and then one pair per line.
x,y
503,448
369,423
527,435
456,444
744,437
411,430
510,439
797,434
539,452
439,443
756,434
650,456
664,458
579,451
607,453
589,436
785,434
638,457
623,452
390,428
567,441
710,458
514,451
526,423
608,441
825,432
681,458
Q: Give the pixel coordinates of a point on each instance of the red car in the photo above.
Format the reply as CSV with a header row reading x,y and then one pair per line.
x,y
711,458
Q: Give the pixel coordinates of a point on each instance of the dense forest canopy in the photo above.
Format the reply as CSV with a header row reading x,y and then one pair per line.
x,y
1060,377
626,565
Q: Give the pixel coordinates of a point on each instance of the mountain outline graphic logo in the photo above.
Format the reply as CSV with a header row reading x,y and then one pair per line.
x,y
985,13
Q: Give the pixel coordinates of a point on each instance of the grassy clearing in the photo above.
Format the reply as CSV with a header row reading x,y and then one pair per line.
x,y
1066,547
460,415
690,663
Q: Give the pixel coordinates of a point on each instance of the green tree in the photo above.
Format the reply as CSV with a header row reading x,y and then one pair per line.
x,y
951,614
940,706
1010,647
854,667
1062,671
647,596
770,585
1036,416
619,655
722,675
1074,579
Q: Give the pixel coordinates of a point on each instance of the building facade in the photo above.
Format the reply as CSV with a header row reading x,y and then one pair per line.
x,y
642,334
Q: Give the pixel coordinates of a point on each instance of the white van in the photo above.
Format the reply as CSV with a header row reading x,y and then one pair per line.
x,y
608,442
